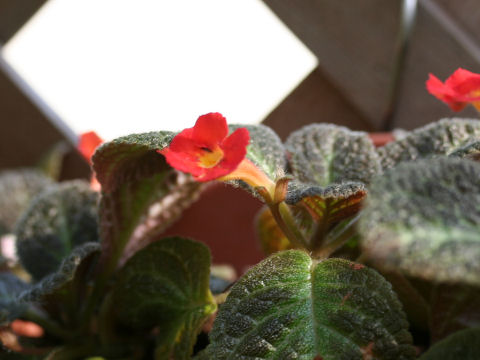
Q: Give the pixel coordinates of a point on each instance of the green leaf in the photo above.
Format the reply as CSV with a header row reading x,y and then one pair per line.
x,y
265,149
453,307
326,154
57,284
423,218
166,285
17,188
10,288
463,345
291,307
439,138
59,219
138,186
414,304
470,151
331,165
327,206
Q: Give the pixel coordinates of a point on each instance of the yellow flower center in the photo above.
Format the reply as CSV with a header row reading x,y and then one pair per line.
x,y
210,158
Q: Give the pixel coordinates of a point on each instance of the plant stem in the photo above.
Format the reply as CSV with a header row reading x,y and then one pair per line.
x,y
338,240
285,220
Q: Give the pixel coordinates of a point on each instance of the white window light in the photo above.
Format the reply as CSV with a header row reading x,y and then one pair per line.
x,y
125,66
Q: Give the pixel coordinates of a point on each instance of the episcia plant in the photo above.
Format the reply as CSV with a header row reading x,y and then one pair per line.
x,y
372,253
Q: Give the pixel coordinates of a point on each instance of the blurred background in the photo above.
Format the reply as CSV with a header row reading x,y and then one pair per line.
x,y
123,66
127,66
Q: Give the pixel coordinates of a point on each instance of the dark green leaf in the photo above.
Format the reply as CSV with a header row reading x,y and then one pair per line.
x,y
291,307
138,186
470,151
332,165
265,149
327,206
10,288
414,304
166,285
55,283
17,188
453,308
440,138
59,219
463,345
326,154
423,218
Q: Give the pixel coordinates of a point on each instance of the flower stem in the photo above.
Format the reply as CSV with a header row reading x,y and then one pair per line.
x,y
285,220
347,232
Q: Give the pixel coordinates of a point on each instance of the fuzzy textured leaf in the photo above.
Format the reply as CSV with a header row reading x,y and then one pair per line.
x,y
59,219
10,288
470,151
166,285
439,138
138,186
327,206
17,188
290,307
265,149
463,345
56,284
423,218
326,154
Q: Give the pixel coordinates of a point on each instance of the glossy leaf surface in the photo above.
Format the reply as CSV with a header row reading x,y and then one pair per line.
x,y
290,307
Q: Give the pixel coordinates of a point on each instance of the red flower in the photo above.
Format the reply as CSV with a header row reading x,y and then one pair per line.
x,y
460,89
207,151
87,144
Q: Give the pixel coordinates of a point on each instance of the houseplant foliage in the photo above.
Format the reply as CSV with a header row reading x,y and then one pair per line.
x,y
367,249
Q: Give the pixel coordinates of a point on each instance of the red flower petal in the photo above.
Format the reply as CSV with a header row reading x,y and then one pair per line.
x,y
235,148
461,88
87,144
463,82
210,129
205,151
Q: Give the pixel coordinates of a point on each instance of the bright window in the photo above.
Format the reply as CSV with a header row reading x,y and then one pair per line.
x,y
123,66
